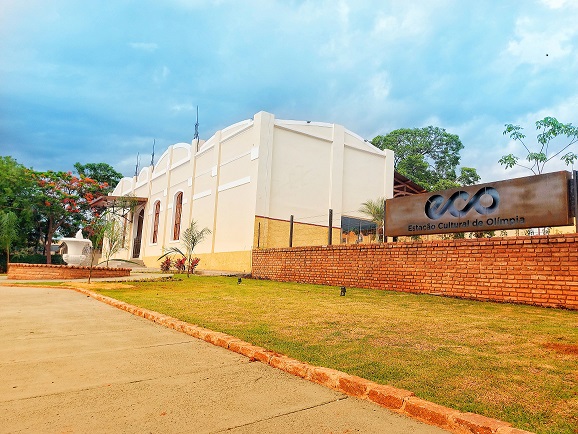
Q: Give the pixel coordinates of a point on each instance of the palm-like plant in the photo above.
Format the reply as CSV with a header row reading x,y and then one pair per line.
x,y
190,238
374,209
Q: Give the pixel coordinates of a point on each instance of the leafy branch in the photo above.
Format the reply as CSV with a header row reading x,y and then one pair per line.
x,y
551,129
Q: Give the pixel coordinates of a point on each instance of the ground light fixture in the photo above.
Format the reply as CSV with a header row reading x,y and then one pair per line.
x,y
239,280
343,291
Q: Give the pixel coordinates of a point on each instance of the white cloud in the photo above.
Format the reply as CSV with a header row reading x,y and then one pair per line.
x,y
161,74
343,12
539,44
144,46
380,86
401,23
559,4
182,107
565,112
196,4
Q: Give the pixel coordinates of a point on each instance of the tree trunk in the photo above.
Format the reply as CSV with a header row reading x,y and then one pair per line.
x,y
48,244
92,254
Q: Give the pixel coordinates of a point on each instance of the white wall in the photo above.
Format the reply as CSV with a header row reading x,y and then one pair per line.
x,y
261,166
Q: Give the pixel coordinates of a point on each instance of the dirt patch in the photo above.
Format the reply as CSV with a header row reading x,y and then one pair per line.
x,y
568,349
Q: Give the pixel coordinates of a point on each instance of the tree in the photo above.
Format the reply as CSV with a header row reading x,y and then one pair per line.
x,y
16,195
428,156
8,232
374,209
113,232
106,229
191,237
100,172
537,158
62,201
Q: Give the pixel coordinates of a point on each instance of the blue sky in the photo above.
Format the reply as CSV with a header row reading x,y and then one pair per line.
x,y
97,81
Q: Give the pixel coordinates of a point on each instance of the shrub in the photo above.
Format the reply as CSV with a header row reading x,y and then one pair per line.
x,y
180,264
192,264
36,258
166,264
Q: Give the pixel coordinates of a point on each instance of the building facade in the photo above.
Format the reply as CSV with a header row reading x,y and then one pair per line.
x,y
247,182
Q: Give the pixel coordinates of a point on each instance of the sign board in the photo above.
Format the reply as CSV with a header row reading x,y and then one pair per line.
x,y
529,202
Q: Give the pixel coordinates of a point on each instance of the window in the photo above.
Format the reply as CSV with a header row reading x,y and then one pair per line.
x,y
156,221
178,212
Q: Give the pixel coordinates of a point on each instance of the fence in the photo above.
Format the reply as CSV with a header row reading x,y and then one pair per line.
x,y
314,230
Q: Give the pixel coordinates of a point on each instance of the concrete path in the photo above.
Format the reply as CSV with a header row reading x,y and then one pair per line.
x,y
71,364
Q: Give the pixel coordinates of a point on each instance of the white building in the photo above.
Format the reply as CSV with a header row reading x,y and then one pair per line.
x,y
246,182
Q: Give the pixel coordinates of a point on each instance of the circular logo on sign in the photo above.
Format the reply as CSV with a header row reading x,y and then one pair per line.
x,y
436,208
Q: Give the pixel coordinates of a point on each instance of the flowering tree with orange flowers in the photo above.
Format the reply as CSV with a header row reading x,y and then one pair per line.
x,y
62,201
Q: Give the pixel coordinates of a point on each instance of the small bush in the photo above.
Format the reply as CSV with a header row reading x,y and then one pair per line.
x,y
180,264
36,259
166,264
194,262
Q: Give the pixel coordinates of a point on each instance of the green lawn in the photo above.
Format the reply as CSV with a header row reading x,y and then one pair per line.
x,y
510,362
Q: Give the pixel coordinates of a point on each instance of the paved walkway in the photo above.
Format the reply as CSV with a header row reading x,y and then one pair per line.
x,y
71,364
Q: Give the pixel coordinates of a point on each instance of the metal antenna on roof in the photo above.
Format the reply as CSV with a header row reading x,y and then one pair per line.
x,y
137,162
153,155
197,129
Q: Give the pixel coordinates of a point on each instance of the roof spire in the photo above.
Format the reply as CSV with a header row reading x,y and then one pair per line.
x,y
137,163
153,155
197,129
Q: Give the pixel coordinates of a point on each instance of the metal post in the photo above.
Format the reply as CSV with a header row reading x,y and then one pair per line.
x,y
575,197
291,231
384,214
259,235
330,235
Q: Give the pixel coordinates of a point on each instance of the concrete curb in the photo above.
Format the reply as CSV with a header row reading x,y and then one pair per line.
x,y
392,398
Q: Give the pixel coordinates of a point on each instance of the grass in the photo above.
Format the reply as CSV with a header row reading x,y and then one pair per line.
x,y
511,362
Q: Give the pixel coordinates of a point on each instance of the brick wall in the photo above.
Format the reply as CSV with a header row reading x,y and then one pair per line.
x,y
540,270
61,272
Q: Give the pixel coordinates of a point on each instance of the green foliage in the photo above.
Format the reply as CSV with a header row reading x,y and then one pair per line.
x,y
8,234
374,210
482,234
428,156
551,129
190,238
114,234
8,231
103,173
16,191
63,202
48,204
107,231
36,258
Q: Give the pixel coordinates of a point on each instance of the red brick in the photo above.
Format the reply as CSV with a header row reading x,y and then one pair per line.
x,y
388,396
325,376
429,412
514,265
510,430
291,366
478,424
354,386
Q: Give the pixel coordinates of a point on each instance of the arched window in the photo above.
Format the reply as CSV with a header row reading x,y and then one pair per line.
x,y
178,212
156,221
